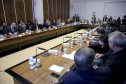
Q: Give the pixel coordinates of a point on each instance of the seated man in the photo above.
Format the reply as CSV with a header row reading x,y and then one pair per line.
x,y
99,21
54,23
86,21
85,74
12,29
100,31
116,57
28,25
93,21
5,28
58,22
22,28
46,24
35,25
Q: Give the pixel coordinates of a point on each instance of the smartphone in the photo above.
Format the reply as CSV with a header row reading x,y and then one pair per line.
x,y
55,75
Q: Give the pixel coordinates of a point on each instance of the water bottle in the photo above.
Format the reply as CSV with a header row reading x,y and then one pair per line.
x,y
71,45
67,45
31,62
1,36
65,50
80,40
56,53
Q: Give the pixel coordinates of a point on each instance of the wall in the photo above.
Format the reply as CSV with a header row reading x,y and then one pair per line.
x,y
15,10
54,9
38,11
115,8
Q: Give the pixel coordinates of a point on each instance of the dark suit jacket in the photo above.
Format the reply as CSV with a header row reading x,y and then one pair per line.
x,y
21,29
117,62
87,22
54,23
45,25
34,26
102,75
104,19
93,22
28,26
5,29
15,29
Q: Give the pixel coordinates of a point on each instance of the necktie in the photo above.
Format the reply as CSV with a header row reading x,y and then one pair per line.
x,y
12,30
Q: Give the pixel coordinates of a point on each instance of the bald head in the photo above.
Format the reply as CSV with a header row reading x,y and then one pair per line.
x,y
83,58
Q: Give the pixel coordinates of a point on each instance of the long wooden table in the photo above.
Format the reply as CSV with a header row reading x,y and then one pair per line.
x,y
18,42
22,74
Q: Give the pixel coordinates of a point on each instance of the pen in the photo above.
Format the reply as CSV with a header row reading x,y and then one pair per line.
x,y
50,79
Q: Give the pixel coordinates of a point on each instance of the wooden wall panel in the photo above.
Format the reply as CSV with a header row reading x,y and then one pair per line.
x,y
50,9
45,9
65,8
20,10
55,9
62,9
28,10
68,8
58,9
2,19
10,11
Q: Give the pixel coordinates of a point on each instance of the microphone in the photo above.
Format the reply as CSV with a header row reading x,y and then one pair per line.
x,y
41,48
74,38
79,33
38,64
63,41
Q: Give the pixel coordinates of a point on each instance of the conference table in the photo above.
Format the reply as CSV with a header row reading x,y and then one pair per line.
x,y
20,40
23,75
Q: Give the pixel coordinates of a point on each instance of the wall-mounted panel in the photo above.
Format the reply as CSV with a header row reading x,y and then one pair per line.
x,y
28,10
10,11
20,10
2,19
46,9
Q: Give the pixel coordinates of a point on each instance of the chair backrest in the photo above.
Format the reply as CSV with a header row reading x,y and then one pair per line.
x,y
122,28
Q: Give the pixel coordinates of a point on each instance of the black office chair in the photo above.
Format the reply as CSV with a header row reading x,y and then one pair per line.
x,y
122,28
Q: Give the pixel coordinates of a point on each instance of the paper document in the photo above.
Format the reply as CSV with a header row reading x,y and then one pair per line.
x,y
52,51
56,68
69,56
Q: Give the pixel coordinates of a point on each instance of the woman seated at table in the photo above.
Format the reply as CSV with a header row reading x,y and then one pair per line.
x,y
104,48
103,41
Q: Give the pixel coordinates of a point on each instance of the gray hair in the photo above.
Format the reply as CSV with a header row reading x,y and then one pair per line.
x,y
118,38
83,58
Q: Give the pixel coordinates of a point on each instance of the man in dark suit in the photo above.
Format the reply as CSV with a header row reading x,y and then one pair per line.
x,y
22,28
85,74
86,21
74,17
35,25
5,30
46,24
54,23
93,21
105,18
28,25
12,29
99,21
116,57
110,19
